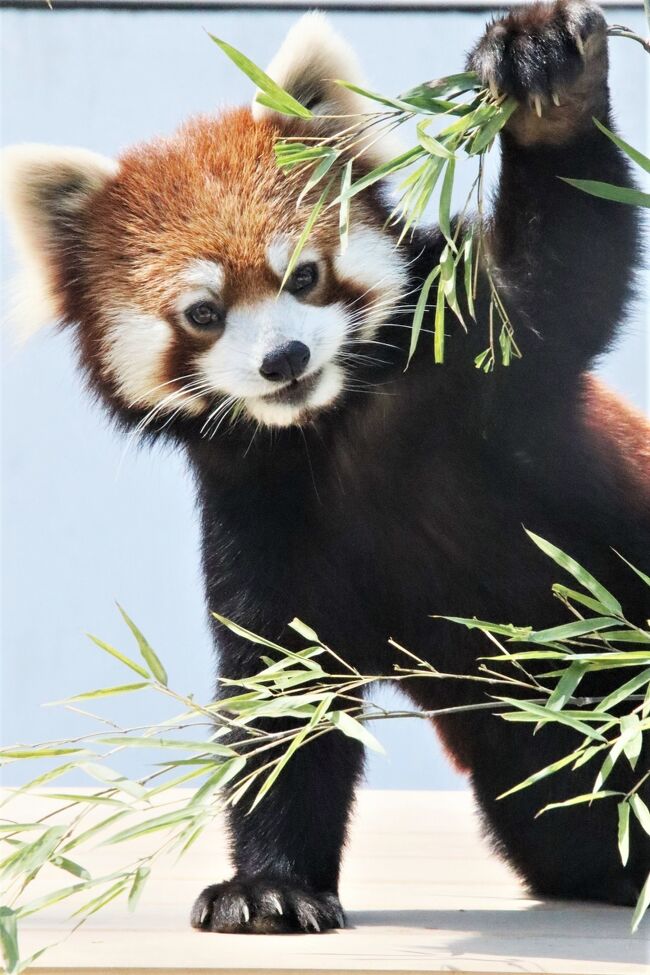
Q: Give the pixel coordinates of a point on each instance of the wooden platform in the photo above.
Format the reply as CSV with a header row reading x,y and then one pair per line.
x,y
422,891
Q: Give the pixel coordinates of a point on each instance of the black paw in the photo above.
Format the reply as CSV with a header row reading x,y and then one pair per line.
x,y
261,905
539,52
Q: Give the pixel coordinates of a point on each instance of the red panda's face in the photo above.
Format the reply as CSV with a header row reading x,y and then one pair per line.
x,y
170,262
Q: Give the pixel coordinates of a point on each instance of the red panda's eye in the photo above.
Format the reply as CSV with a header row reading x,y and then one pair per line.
x,y
304,277
205,315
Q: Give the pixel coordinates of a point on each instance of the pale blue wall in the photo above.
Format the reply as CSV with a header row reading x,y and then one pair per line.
x,y
83,522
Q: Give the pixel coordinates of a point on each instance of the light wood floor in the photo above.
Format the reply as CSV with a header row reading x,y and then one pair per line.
x,y
422,891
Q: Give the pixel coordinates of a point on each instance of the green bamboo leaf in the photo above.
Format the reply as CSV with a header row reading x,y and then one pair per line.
x,y
634,154
107,648
501,629
91,907
439,324
641,811
624,831
605,191
611,758
209,747
394,103
102,692
542,773
578,572
625,690
9,939
626,636
429,93
224,774
641,575
468,271
304,236
355,729
296,742
108,775
565,687
20,753
31,856
432,146
577,800
633,731
641,905
139,880
579,597
386,169
275,97
444,216
303,630
490,129
420,308
568,631
87,834
562,717
344,206
70,866
151,659
154,825
321,170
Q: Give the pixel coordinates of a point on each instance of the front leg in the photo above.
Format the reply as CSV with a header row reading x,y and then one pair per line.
x,y
563,260
287,851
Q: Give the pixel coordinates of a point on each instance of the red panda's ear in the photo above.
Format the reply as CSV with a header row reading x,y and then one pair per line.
x,y
46,193
310,61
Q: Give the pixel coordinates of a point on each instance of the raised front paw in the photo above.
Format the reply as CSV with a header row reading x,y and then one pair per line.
x,y
552,57
262,905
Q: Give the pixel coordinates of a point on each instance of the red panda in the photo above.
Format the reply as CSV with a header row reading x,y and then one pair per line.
x,y
334,484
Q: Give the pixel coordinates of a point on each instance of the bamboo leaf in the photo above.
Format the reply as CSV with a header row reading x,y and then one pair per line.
x,y
139,880
439,324
634,154
31,856
107,648
444,215
542,773
276,97
224,774
565,687
420,308
9,939
624,831
578,800
302,240
642,905
641,811
576,570
102,692
70,866
151,659
625,690
569,630
432,146
641,575
605,191
355,729
344,206
488,131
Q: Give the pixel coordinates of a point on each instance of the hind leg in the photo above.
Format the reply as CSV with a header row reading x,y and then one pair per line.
x,y
567,853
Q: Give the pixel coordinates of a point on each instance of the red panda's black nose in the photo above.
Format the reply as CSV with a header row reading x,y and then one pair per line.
x,y
286,362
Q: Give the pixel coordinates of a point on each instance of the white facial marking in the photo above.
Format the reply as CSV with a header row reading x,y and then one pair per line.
x,y
330,384
232,365
371,261
278,254
202,274
135,345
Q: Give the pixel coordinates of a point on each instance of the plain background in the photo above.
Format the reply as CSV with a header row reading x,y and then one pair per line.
x,y
85,520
